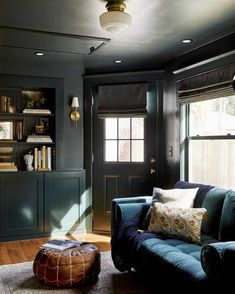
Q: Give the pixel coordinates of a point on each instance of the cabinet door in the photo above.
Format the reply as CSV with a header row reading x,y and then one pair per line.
x,y
65,202
21,204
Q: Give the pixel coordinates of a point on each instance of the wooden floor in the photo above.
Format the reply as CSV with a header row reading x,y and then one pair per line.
x,y
25,250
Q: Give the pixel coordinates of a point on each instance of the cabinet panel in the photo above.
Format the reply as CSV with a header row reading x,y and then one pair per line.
x,y
22,203
64,201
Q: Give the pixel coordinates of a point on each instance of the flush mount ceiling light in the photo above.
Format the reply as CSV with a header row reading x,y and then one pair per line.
x,y
115,20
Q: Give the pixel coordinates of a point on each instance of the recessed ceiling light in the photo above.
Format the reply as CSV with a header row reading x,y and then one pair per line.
x,y
39,53
186,41
118,61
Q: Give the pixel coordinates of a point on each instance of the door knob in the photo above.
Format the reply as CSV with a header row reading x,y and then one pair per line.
x,y
152,171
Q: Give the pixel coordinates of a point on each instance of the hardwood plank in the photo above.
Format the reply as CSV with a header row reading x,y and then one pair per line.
x,y
25,250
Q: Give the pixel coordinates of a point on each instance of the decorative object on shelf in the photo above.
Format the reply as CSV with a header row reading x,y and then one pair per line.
x,y
33,99
6,130
115,20
28,158
74,114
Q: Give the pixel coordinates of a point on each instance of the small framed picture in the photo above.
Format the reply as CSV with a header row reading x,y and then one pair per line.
x,y
6,130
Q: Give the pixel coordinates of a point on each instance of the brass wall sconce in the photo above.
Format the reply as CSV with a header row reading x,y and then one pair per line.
x,y
74,114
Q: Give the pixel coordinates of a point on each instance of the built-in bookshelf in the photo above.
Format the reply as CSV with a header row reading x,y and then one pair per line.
x,y
27,125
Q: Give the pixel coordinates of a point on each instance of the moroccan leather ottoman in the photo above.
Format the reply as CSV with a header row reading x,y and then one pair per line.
x,y
67,268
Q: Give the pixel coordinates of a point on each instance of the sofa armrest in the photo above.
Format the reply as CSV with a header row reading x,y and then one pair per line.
x,y
218,259
124,208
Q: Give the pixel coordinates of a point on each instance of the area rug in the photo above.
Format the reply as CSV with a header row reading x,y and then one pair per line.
x,y
18,278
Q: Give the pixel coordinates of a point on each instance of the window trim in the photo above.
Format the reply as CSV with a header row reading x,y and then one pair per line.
x,y
130,140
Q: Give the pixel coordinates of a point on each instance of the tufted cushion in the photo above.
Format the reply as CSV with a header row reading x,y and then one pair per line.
x,y
180,223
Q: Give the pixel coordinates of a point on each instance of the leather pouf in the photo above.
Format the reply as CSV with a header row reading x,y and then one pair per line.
x,y
69,267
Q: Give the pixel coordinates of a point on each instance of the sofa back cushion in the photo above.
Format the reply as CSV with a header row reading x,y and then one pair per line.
x,y
227,222
211,198
213,202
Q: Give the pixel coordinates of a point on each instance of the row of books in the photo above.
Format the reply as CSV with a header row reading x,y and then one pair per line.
x,y
42,158
5,104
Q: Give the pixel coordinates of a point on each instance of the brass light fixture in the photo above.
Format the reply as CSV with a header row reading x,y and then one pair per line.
x,y
74,114
115,20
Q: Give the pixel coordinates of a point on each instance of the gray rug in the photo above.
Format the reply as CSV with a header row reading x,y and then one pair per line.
x,y
18,278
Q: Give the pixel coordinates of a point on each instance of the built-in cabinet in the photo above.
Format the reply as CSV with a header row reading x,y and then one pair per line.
x,y
38,204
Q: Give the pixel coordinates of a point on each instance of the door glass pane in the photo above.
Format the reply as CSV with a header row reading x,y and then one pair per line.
x,y
213,117
138,128
137,151
212,162
111,128
124,128
111,150
124,150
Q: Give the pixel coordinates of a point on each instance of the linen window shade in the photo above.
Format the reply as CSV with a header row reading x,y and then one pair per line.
x,y
122,100
215,84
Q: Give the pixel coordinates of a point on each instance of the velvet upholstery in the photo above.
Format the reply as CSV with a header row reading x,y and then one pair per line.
x,y
227,224
176,262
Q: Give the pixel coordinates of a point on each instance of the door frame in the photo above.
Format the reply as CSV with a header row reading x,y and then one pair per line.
x,y
90,83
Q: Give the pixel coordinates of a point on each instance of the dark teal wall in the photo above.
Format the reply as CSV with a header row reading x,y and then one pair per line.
x,y
71,153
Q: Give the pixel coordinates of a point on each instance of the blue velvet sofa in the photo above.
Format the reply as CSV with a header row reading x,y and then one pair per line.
x,y
167,262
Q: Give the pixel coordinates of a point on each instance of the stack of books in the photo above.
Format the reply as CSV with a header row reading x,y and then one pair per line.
x,y
36,111
39,139
60,245
6,159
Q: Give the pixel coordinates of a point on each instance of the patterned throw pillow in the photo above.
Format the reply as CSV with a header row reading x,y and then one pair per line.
x,y
175,222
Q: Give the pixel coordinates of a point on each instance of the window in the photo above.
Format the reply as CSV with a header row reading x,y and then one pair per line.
x,y
124,139
211,142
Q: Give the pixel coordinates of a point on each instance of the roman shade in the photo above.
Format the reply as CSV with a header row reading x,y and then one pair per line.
x,y
214,84
122,100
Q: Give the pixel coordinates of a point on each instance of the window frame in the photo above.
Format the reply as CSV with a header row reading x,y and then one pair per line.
x,y
185,140
130,140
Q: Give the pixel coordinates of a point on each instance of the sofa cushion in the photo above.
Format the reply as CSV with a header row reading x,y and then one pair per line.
x,y
175,197
183,198
213,202
159,257
180,223
227,222
201,193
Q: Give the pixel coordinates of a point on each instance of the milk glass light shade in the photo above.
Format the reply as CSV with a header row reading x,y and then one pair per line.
x,y
115,20
75,102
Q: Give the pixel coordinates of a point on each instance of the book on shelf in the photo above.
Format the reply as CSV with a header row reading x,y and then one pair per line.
x,y
39,138
8,166
42,158
36,111
7,163
60,245
18,129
